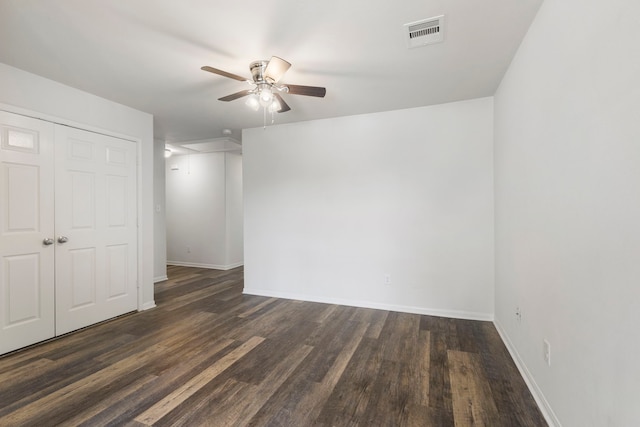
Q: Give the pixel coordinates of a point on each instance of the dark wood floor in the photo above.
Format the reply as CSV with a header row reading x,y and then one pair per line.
x,y
208,355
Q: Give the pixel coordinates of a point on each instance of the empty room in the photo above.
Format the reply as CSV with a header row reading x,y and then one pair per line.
x,y
297,213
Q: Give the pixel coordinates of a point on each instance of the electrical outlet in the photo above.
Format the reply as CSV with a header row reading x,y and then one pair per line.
x,y
547,352
518,314
188,249
387,279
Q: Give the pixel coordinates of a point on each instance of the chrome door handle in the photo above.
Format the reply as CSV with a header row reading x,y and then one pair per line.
x,y
48,241
63,239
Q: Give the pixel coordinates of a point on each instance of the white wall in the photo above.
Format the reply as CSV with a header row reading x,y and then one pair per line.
x,y
23,92
159,223
332,206
567,172
196,213
234,209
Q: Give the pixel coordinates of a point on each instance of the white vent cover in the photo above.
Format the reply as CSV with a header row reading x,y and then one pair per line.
x,y
427,31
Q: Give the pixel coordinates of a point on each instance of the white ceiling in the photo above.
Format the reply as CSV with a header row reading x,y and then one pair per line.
x,y
147,54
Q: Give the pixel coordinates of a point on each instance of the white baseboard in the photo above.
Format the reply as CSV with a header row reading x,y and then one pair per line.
x,y
160,279
148,306
369,304
210,266
542,402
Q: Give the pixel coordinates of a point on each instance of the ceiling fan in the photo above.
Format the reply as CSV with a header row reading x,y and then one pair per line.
x,y
266,91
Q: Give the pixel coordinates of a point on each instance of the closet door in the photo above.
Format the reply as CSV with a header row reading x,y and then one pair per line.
x,y
96,228
26,222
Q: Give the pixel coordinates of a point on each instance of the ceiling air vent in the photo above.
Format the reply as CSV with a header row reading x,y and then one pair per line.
x,y
427,31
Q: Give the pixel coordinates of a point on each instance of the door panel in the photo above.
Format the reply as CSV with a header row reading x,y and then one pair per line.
x,y
22,289
82,197
26,219
117,280
96,268
82,278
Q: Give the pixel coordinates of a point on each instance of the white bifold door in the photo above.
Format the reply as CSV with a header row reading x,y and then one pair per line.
x,y
27,282
96,231
68,243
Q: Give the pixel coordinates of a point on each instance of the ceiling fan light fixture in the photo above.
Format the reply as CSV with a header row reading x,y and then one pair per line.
x,y
266,96
253,102
275,106
276,67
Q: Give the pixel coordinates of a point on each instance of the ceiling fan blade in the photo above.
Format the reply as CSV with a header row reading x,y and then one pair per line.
x,y
223,73
235,95
307,90
284,107
276,68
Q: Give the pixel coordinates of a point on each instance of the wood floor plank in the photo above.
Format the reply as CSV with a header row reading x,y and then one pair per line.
x,y
351,395
257,308
218,405
208,355
422,367
329,345
241,411
279,347
440,402
473,403
67,368
327,313
89,413
176,398
33,369
192,360
310,404
48,408
205,292
170,337
268,324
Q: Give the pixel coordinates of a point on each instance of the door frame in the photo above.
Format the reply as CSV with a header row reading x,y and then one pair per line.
x,y
139,206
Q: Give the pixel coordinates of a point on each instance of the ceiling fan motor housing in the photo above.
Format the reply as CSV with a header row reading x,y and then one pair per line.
x,y
257,70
